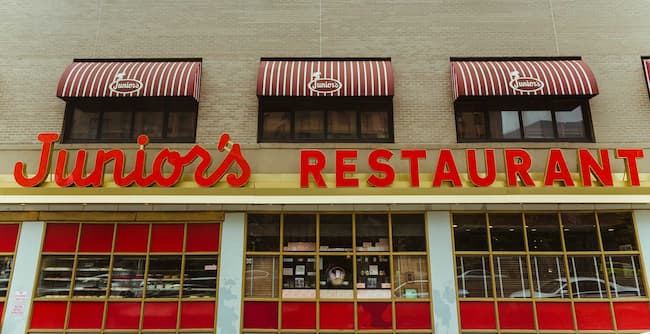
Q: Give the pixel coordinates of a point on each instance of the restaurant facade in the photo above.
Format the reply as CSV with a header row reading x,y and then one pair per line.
x,y
325,167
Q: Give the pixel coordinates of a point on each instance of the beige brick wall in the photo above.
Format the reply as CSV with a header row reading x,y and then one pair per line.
x,y
39,38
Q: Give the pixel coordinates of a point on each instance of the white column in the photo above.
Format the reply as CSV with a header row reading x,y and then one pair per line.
x,y
443,273
642,218
23,279
230,273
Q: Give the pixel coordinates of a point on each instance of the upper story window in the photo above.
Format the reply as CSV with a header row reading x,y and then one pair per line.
x,y
118,100
531,99
325,100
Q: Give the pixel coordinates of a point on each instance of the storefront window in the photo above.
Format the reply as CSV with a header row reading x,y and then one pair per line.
x,y
127,277
337,271
540,271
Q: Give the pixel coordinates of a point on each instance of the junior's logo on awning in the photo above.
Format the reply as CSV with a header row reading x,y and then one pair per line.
x,y
524,84
323,85
120,85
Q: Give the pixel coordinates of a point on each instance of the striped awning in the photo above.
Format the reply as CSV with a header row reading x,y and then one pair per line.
x,y
522,77
646,70
119,78
325,77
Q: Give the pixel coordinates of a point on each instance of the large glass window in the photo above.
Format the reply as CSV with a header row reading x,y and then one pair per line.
x,y
325,119
337,272
523,119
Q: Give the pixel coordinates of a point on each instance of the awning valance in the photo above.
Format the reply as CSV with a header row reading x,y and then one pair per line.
x,y
119,78
325,77
497,77
646,70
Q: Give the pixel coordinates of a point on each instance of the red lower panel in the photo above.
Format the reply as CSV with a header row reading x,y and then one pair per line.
x,y
8,237
632,316
86,315
593,316
554,316
123,316
337,315
412,315
48,315
375,316
299,315
160,315
263,315
516,315
477,315
197,315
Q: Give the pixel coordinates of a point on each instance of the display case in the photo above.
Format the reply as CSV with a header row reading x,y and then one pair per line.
x,y
91,277
5,274
127,279
336,277
200,276
299,277
373,277
164,276
56,276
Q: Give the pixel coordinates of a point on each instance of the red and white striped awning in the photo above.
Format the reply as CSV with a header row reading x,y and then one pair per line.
x,y
522,77
130,78
646,70
325,77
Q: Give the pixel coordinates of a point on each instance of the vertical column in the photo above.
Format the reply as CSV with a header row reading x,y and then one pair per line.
x,y
443,273
230,273
642,218
23,279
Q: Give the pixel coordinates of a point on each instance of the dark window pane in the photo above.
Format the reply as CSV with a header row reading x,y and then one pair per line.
x,y
263,232
5,273
570,123
341,124
373,277
580,233
374,125
505,125
408,232
470,233
473,274
537,124
276,125
127,278
335,232
336,274
471,125
587,277
543,232
506,230
200,277
181,125
92,276
116,125
298,273
372,232
164,276
310,124
511,276
617,231
85,123
145,124
261,276
300,232
549,277
625,276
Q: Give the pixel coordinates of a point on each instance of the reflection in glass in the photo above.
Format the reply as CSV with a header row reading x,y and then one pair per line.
x,y
470,233
372,232
408,232
181,124
580,233
5,274
411,278
276,125
506,230
84,123
549,277
56,274
335,232
164,276
504,125
617,231
263,232
116,125
336,277
543,232
587,277
511,276
260,277
310,124
537,124
300,232
374,125
471,125
341,124
200,276
625,276
91,278
474,278
127,278
570,123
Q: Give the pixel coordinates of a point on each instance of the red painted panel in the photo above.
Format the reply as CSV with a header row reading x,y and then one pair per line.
x,y
261,315
337,315
516,315
634,316
167,237
8,237
197,315
413,315
60,237
2,306
554,316
477,315
375,316
132,238
123,315
48,315
202,238
86,315
593,316
299,315
96,238
160,315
